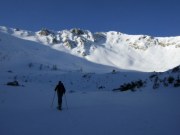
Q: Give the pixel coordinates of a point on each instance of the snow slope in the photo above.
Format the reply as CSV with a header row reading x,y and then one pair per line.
x,y
23,53
113,49
26,110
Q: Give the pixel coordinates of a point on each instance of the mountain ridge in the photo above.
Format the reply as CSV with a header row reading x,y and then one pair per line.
x,y
131,52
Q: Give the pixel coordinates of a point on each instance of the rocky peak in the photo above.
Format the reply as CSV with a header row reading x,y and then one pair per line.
x,y
77,31
44,32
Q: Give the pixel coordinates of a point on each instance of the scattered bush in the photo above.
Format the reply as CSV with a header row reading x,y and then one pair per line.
x,y
113,71
131,86
30,65
156,82
101,87
165,83
170,79
41,67
10,71
156,85
54,67
14,83
177,82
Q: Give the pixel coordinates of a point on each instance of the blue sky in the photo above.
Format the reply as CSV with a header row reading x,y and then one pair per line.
x,y
152,17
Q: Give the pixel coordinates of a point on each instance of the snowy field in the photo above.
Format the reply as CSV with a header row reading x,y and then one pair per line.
x,y
27,111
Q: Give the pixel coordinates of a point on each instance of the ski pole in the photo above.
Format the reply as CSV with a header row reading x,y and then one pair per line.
x,y
66,101
53,99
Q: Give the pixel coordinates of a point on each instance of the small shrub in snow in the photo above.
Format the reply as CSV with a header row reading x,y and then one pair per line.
x,y
87,76
54,67
177,82
113,71
131,86
139,83
156,82
30,65
156,86
170,79
101,87
10,71
165,83
152,76
41,67
14,83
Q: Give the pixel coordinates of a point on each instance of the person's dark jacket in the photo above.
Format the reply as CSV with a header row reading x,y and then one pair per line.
x,y
60,88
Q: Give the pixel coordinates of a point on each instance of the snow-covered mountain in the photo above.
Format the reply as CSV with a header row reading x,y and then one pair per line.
x,y
113,49
92,66
77,55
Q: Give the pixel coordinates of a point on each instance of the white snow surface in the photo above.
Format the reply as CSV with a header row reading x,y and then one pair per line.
x,y
90,65
113,49
27,110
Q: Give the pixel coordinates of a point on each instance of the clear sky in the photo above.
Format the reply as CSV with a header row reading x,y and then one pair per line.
x,y
152,17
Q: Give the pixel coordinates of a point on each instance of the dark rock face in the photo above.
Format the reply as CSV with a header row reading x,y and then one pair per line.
x,y
77,31
44,32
